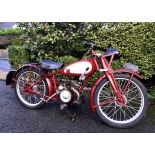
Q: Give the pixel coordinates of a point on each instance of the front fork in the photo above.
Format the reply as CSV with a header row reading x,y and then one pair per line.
x,y
119,95
109,74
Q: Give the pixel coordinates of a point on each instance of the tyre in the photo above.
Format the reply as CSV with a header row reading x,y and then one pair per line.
x,y
111,113
27,77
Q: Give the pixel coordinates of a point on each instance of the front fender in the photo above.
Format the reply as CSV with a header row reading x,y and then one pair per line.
x,y
92,91
101,77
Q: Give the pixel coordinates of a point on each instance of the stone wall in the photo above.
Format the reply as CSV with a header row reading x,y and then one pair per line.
x,y
3,54
5,40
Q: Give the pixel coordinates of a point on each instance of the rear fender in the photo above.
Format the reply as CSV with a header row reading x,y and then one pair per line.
x,y
11,77
101,77
125,71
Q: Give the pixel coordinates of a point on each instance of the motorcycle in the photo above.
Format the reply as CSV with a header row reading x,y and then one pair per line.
x,y
117,96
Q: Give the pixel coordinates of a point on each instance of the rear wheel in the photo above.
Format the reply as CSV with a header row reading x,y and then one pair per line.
x,y
27,77
108,109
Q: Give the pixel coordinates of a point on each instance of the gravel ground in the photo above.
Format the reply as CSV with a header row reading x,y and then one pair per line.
x,y
49,119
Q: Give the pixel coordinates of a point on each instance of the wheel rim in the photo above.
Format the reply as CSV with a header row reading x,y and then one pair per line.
x,y
27,98
115,113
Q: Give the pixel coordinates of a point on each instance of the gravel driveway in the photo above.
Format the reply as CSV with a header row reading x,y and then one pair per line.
x,y
16,118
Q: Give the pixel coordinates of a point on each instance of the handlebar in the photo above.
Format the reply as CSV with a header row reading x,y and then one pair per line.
x,y
109,52
92,47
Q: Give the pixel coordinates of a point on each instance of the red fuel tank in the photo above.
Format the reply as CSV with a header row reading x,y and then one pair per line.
x,y
80,67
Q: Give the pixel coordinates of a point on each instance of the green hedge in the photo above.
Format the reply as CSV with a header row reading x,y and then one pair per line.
x,y
17,55
135,42
63,41
53,40
16,31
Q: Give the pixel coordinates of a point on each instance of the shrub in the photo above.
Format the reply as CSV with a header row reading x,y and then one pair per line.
x,y
135,42
54,40
58,41
67,59
17,56
48,40
151,93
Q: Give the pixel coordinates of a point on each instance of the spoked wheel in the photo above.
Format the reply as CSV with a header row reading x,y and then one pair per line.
x,y
25,79
109,110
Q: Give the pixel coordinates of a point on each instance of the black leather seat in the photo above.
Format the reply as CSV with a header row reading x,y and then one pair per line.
x,y
48,64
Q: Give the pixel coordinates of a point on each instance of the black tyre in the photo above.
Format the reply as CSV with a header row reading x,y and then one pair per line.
x,y
111,112
30,100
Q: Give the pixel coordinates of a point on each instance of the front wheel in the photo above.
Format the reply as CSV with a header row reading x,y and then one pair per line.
x,y
110,112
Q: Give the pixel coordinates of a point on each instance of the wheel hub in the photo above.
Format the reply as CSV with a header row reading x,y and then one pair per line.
x,y
120,103
28,89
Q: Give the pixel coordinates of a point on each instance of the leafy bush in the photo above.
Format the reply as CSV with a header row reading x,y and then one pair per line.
x,y
67,59
63,41
135,42
48,40
17,55
54,40
151,93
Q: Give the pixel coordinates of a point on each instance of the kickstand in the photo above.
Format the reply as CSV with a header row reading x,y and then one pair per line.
x,y
68,111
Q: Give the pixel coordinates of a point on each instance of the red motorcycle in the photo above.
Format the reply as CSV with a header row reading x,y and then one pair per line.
x,y
117,96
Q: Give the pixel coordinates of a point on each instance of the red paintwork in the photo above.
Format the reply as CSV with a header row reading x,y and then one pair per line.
x,y
93,89
109,74
49,82
127,71
104,76
50,86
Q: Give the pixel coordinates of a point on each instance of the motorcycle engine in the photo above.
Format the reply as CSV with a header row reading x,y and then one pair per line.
x,y
69,90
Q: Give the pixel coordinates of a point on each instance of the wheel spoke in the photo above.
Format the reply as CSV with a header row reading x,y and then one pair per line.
x,y
133,98
26,79
113,111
